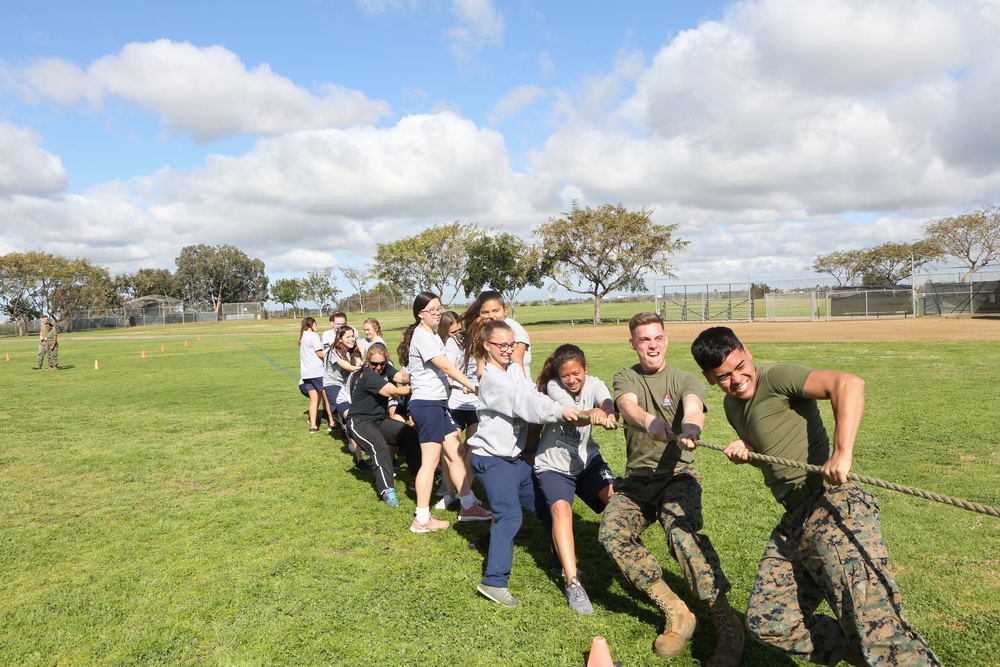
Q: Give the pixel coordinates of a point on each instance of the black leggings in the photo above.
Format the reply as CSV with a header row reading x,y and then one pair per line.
x,y
374,438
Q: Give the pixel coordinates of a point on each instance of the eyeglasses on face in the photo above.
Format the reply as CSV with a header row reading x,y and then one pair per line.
x,y
503,347
433,311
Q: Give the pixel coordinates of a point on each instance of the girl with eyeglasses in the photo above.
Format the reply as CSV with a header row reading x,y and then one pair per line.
x,y
508,402
374,430
568,462
424,355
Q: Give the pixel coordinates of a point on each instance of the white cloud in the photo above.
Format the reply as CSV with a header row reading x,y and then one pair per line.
x,y
204,91
25,167
479,23
514,101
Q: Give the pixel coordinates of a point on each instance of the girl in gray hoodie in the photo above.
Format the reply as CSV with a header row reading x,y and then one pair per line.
x,y
508,401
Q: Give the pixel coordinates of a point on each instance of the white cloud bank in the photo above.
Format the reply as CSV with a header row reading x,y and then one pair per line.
x,y
780,132
205,92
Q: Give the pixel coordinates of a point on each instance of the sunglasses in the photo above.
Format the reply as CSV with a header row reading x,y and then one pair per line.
x,y
376,364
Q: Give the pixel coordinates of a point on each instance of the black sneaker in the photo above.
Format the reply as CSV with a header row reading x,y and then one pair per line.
x,y
362,466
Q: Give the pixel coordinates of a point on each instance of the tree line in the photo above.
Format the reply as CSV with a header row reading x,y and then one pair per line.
x,y
588,250
36,283
972,238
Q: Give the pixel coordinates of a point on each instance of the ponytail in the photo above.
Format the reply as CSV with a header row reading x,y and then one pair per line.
x,y
550,370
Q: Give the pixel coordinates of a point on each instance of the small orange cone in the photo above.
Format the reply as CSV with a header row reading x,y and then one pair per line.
x,y
600,656
8,356
143,355
97,366
199,337
163,348
185,342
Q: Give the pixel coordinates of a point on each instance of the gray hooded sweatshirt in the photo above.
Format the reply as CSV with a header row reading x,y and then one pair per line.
x,y
507,402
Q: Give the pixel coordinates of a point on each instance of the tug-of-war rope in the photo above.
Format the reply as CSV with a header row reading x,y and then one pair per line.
x,y
872,481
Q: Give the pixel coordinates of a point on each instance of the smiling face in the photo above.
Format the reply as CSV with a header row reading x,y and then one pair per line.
x,y
338,322
369,331
650,344
736,376
500,346
376,362
572,375
430,316
349,338
493,310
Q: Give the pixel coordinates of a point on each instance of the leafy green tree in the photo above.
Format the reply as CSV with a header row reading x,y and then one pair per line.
x,y
147,282
434,259
973,238
319,286
505,263
287,291
843,265
892,263
758,290
214,275
39,282
357,279
610,248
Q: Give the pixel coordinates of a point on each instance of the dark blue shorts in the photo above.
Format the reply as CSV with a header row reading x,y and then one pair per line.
x,y
464,417
332,391
313,384
342,409
587,485
433,421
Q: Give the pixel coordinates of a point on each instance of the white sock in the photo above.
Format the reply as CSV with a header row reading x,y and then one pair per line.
x,y
467,501
423,514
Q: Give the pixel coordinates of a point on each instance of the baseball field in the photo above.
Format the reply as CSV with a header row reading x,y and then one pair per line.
x,y
172,508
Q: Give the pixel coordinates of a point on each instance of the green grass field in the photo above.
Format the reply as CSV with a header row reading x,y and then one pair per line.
x,y
175,510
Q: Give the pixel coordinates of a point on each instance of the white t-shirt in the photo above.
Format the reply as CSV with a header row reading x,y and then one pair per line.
x,y
427,381
458,399
364,344
329,336
310,365
521,336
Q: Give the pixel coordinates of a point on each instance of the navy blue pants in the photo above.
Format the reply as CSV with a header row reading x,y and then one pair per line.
x,y
508,485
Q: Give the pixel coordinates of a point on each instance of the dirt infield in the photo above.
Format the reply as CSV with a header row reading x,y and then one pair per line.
x,y
840,331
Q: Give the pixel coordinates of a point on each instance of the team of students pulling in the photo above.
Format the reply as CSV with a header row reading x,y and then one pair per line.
x,y
472,374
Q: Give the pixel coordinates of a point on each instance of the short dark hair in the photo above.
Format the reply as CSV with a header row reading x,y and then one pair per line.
x,y
713,345
337,314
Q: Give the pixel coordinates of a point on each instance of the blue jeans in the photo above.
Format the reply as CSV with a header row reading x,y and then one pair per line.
x,y
508,485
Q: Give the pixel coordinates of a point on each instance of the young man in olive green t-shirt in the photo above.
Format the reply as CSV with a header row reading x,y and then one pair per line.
x,y
48,344
828,545
661,484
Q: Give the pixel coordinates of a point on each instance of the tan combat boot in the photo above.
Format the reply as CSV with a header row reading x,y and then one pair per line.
x,y
680,621
729,629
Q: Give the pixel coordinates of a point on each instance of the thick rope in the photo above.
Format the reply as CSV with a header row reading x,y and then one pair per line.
x,y
872,481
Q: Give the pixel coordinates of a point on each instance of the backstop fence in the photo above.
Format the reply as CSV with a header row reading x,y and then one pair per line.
x,y
930,295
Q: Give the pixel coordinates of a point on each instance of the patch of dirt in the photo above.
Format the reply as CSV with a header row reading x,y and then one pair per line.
x,y
837,331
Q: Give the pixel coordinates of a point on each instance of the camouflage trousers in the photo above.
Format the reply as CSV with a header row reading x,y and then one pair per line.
x,y
53,352
675,501
830,547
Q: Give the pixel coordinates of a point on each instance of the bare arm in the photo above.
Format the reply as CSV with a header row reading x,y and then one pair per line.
x,y
846,393
390,390
441,362
517,355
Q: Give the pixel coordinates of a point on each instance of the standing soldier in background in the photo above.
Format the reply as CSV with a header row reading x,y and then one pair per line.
x,y
661,484
48,344
828,544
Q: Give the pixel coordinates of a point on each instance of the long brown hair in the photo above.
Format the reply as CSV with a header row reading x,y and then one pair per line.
x,y
419,303
307,324
472,323
485,333
550,370
351,356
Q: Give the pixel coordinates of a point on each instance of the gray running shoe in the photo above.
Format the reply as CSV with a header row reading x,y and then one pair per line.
x,y
577,597
499,595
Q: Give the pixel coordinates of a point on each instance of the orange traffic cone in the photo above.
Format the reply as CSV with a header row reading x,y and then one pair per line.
x,y
143,355
600,656
185,342
97,366
199,337
163,348
8,356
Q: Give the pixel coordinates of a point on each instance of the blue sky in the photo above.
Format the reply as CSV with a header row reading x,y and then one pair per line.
x,y
769,131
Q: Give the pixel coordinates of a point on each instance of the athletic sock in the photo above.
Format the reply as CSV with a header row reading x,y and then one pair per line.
x,y
467,501
423,514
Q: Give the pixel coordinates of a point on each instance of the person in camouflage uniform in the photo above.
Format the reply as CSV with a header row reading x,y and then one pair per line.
x,y
48,344
661,484
828,545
